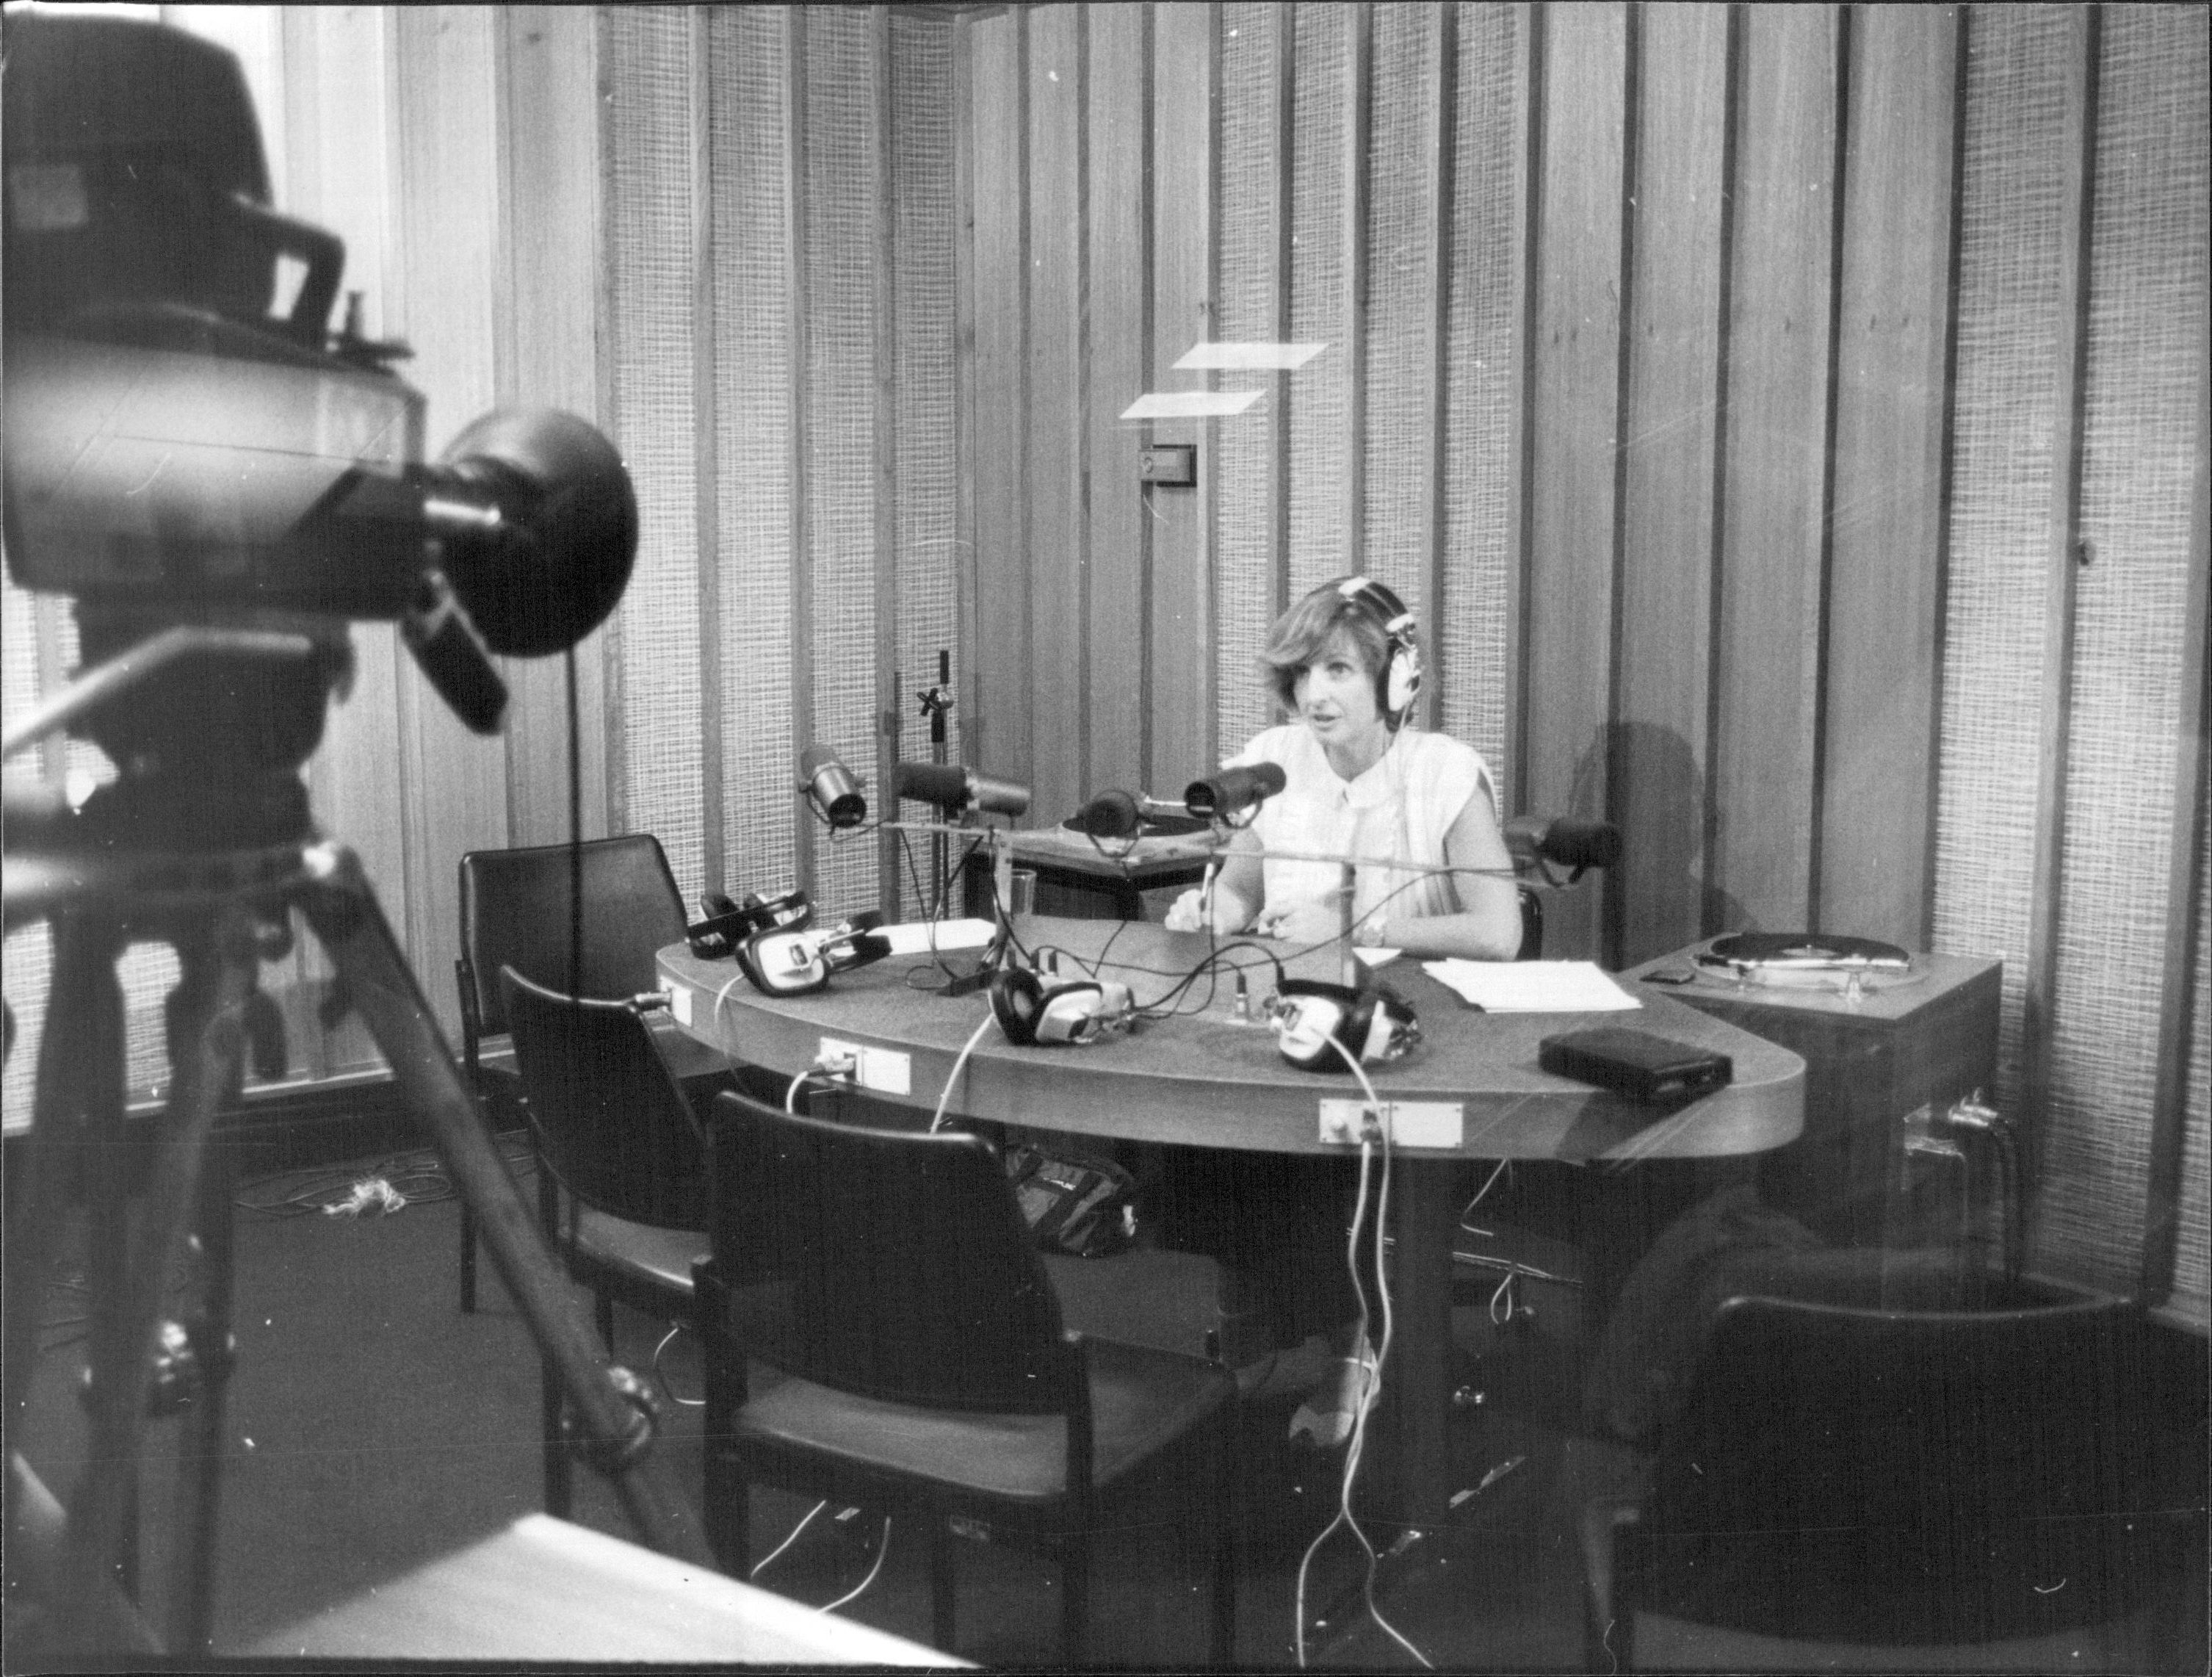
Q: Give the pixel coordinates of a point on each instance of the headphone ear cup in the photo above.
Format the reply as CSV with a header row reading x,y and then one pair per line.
x,y
1070,1012
1017,999
782,964
1402,678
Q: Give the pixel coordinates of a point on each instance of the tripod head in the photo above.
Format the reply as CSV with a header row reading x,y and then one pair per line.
x,y
178,456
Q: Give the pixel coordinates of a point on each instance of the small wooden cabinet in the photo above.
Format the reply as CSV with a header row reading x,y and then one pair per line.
x,y
1871,1061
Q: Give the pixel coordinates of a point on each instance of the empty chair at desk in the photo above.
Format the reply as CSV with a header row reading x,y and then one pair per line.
x,y
515,912
616,1130
889,1275
1847,1488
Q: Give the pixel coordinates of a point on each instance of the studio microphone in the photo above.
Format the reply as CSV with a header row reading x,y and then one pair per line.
x,y
1564,840
953,787
1109,815
831,788
1232,791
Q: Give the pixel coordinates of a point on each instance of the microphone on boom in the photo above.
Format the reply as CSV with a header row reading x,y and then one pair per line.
x,y
831,788
953,787
1233,791
1563,840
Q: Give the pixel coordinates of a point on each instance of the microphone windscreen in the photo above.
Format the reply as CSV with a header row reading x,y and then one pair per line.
x,y
945,784
1582,843
1233,790
1109,815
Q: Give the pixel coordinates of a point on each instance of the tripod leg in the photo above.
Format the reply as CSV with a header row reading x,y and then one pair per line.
x,y
220,963
191,1594
618,1427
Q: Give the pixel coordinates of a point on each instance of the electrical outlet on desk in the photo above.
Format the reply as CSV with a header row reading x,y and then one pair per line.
x,y
1346,1123
886,1071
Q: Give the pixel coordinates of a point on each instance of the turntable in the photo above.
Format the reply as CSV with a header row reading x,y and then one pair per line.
x,y
1806,961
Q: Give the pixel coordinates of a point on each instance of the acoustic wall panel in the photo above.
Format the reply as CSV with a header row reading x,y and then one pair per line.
x,y
650,190
2147,349
1471,626
750,67
2193,1261
837,280
1402,357
926,470
1321,299
2012,244
1249,575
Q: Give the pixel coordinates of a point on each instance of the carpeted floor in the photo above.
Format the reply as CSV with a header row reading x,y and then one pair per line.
x,y
373,1426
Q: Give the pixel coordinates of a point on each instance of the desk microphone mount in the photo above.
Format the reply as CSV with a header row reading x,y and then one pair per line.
x,y
993,958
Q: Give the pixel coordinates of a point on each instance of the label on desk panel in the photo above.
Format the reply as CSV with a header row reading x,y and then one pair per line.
x,y
679,1004
1410,1123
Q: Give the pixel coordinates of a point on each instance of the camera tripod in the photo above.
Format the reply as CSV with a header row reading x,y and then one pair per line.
x,y
213,865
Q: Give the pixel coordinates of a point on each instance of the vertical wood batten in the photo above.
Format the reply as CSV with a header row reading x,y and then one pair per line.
x,y
452,783
550,163
1359,125
1186,108
1521,508
1609,759
2061,591
883,275
998,734
706,455
1575,383
1116,258
960,747
1057,541
1282,386
1767,636
2179,999
1436,569
1893,331
798,452
1670,433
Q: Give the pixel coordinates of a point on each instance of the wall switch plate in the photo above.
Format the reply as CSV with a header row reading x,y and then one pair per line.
x,y
1171,465
1345,1123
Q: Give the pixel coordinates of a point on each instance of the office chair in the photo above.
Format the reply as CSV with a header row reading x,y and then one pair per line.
x,y
1879,1489
889,1275
616,1132
515,913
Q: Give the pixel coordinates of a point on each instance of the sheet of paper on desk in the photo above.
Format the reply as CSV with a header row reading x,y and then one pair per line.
x,y
919,937
1532,987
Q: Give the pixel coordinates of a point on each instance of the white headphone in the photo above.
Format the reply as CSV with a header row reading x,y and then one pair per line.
x,y
1311,1017
1400,683
1081,1011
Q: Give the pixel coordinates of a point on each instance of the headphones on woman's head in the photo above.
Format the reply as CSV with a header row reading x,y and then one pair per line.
x,y
1310,1017
1081,1011
1400,682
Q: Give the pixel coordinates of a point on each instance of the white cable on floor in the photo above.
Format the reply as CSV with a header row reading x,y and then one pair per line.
x,y
803,1524
854,1594
1372,1373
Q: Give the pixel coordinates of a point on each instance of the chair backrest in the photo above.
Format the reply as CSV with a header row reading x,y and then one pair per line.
x,y
610,1120
515,913
891,1263
1532,926
1901,1478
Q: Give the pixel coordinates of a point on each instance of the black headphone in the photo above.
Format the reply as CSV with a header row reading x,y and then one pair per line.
x,y
1310,1017
728,924
1080,1011
793,962
1398,683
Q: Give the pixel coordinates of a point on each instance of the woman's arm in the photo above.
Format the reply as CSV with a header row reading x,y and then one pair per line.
x,y
1238,891
1488,926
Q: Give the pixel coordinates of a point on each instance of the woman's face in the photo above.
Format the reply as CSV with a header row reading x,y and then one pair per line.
x,y
1336,694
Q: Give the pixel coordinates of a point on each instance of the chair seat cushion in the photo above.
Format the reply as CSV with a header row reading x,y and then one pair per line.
x,y
1141,1401
638,1251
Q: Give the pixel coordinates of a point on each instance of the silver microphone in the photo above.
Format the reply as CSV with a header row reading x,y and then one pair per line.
x,y
831,788
953,787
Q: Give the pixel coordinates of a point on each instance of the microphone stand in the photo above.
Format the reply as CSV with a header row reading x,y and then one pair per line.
x,y
1002,891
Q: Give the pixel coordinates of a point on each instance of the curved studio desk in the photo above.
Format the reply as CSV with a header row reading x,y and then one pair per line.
x,y
1204,1078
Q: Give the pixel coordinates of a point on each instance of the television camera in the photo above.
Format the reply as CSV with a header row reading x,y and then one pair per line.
x,y
220,489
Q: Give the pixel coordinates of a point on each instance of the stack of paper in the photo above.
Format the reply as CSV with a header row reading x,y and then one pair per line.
x,y
1532,987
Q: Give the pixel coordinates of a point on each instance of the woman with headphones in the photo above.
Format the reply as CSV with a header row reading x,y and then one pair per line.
x,y
1345,662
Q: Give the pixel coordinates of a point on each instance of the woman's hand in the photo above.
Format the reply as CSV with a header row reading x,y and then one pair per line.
x,y
1315,921
1186,912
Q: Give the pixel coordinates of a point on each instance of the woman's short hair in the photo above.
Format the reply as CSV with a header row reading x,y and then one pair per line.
x,y
1301,632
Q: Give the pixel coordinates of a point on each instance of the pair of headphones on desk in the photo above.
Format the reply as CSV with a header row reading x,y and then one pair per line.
x,y
1034,1014
795,962
1400,682
728,924
1311,1017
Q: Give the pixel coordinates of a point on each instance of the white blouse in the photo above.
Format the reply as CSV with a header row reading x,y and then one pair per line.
x,y
1401,809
